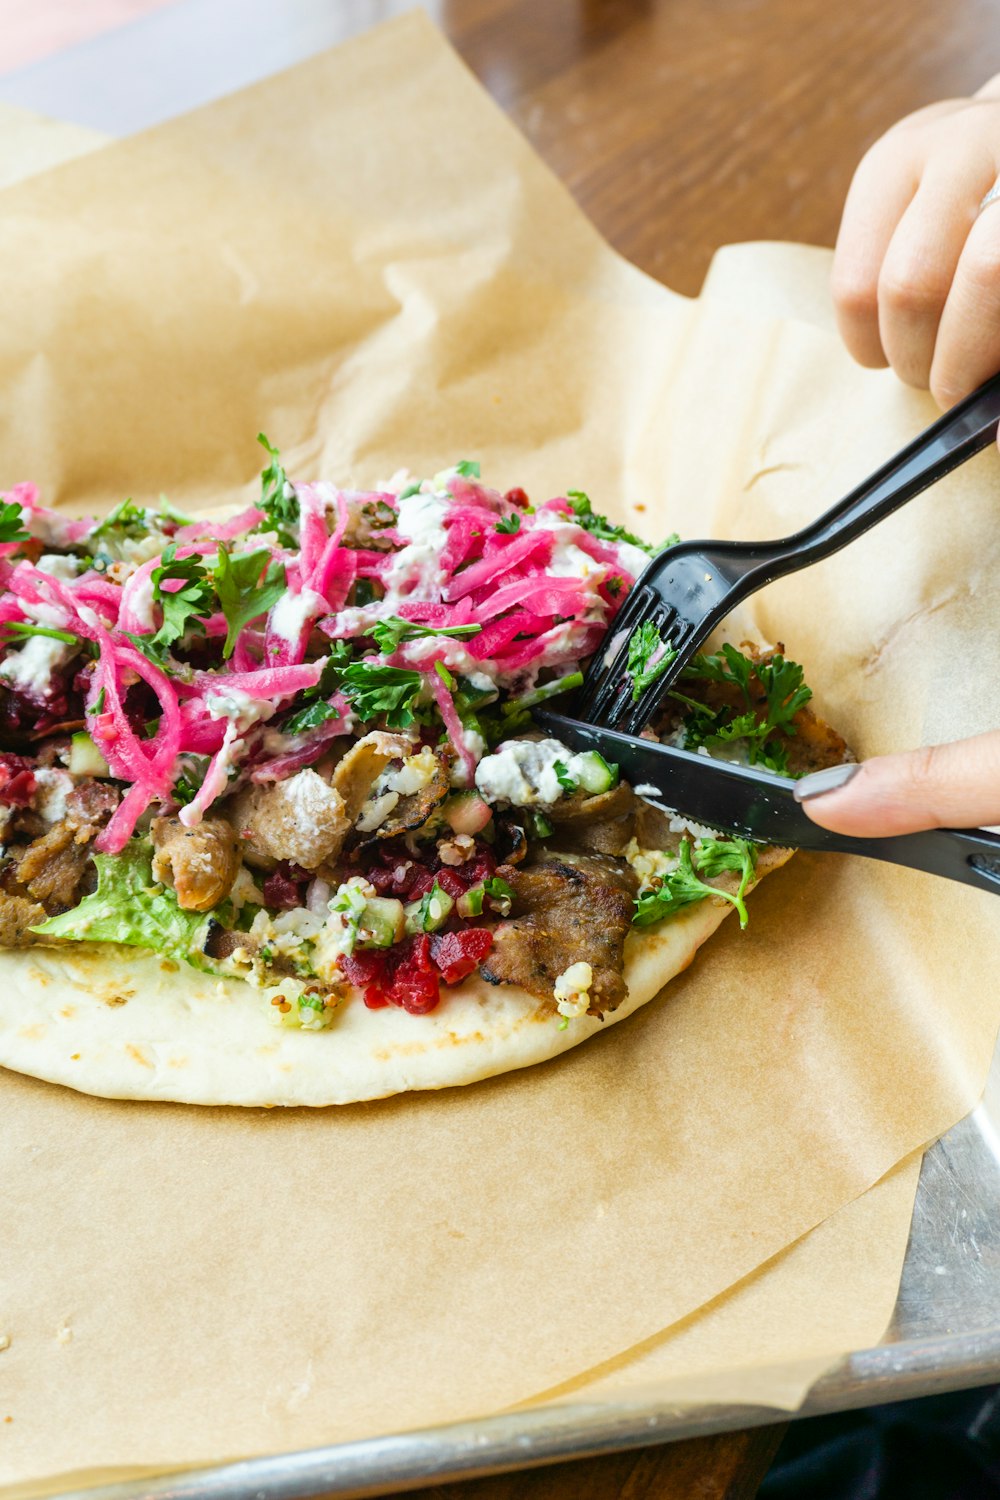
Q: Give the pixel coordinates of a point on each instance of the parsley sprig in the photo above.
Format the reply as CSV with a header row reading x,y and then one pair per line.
x,y
761,726
182,608
247,584
389,632
605,530
684,885
648,658
374,688
12,527
280,508
316,710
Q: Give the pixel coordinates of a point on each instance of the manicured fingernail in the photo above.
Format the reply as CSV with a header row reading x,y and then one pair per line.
x,y
821,782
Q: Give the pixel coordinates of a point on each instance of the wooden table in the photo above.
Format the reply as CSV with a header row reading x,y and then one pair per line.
x,y
680,125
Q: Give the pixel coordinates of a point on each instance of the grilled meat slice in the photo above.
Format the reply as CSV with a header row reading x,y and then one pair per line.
x,y
569,908
356,772
412,810
55,865
595,825
302,820
50,868
17,916
200,863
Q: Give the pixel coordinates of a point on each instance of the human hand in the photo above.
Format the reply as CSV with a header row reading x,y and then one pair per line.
x,y
916,275
942,786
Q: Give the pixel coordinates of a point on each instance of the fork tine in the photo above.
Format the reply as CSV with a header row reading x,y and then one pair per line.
x,y
606,671
635,715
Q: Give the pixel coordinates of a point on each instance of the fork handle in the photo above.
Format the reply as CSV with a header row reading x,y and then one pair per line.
x,y
965,430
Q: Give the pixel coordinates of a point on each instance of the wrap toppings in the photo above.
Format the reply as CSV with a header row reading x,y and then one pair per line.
x,y
295,746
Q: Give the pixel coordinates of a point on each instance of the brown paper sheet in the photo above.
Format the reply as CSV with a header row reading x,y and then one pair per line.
x,y
407,284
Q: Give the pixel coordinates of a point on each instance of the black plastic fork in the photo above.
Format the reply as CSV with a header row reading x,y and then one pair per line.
x,y
689,589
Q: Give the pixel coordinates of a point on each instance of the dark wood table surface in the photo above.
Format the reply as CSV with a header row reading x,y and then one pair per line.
x,y
680,126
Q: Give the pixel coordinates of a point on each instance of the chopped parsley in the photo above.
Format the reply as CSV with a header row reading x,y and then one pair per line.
x,y
280,507
389,632
373,688
605,530
684,885
648,658
12,528
310,717
508,525
761,726
247,585
467,469
563,777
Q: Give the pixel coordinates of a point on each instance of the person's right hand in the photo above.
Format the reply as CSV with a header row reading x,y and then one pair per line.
x,y
916,276
942,786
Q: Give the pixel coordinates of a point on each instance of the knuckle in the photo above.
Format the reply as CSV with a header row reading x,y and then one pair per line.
x,y
921,777
855,293
981,262
911,288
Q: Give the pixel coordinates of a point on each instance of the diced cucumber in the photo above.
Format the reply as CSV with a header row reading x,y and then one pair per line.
x,y
382,923
470,904
84,757
431,912
594,774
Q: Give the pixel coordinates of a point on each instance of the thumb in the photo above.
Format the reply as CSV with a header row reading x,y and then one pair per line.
x,y
941,786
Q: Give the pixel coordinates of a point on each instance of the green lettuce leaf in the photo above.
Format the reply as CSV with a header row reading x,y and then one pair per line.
x,y
129,906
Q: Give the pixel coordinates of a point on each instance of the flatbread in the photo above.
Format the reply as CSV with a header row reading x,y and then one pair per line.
x,y
126,1024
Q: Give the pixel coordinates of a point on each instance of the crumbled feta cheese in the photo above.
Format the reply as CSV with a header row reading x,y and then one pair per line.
x,y
416,570
522,772
54,786
58,566
650,864
415,773
572,990
32,668
375,811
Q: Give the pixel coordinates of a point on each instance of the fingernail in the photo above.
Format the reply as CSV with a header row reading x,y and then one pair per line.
x,y
821,782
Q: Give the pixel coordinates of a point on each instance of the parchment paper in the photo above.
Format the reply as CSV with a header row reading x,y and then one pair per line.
x,y
381,283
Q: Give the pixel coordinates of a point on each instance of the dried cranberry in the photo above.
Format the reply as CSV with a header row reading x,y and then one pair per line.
x,y
518,497
283,887
17,781
457,954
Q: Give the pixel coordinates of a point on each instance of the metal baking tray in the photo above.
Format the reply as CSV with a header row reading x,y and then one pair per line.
x,y
944,1336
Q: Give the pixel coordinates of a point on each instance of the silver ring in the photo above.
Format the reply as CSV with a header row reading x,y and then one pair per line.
x,y
991,196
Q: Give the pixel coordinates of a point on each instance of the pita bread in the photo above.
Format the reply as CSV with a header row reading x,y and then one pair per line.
x,y
126,1024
